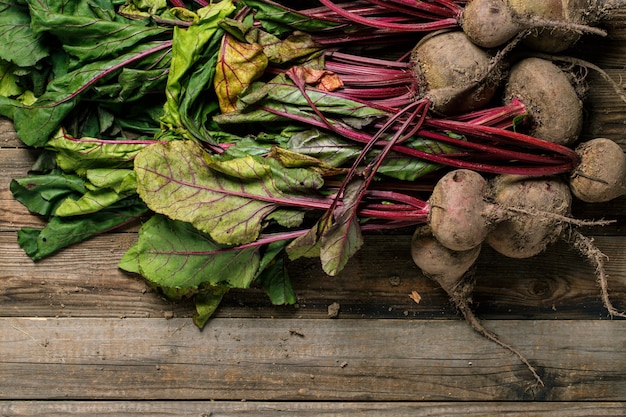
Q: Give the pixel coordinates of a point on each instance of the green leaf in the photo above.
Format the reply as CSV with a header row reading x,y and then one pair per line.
x,y
42,194
308,245
8,80
80,155
325,146
343,238
297,46
187,47
149,7
130,260
199,102
89,32
34,124
273,275
279,20
227,199
19,44
107,187
277,285
206,303
61,232
283,96
182,261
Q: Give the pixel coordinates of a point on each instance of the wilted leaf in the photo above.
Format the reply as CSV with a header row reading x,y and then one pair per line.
x,y
206,302
80,155
106,187
343,238
42,194
239,64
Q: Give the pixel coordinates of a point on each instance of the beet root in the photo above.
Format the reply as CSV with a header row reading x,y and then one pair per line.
x,y
445,266
452,270
554,107
534,211
454,74
601,174
548,26
458,210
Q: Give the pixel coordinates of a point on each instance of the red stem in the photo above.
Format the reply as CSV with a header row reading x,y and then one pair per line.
x,y
400,27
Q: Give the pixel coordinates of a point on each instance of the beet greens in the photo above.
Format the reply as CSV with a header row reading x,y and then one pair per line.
x,y
240,133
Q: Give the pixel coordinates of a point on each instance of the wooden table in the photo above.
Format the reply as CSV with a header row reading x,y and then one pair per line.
x,y
80,337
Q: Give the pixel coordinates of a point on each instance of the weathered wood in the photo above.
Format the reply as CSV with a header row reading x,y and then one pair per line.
x,y
84,281
74,327
304,409
308,360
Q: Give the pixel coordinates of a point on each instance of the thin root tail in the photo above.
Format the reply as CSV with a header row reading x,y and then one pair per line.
x,y
585,247
460,299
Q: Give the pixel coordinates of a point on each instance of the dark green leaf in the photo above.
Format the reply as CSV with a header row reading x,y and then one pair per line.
x,y
280,21
61,232
34,124
18,43
274,277
42,194
90,32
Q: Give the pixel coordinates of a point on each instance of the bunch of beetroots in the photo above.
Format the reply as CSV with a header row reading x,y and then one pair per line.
x,y
471,88
473,54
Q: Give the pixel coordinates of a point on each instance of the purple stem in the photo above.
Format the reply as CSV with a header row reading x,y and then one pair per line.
x,y
401,27
418,8
444,159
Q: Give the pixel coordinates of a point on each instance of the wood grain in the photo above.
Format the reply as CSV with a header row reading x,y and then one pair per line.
x,y
307,409
79,337
84,281
308,360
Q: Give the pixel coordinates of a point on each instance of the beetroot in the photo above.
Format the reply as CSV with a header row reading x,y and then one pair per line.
x,y
454,74
554,107
535,208
548,25
458,210
601,174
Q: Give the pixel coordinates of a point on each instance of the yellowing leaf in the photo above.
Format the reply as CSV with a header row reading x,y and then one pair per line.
x,y
228,199
239,64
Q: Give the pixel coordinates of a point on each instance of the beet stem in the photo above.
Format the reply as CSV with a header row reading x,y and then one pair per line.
x,y
404,27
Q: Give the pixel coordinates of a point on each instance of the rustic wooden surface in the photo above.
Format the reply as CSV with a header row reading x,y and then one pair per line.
x,y
80,337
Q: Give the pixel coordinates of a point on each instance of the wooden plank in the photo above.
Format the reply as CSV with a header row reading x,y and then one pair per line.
x,y
8,138
304,409
15,163
308,360
84,281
